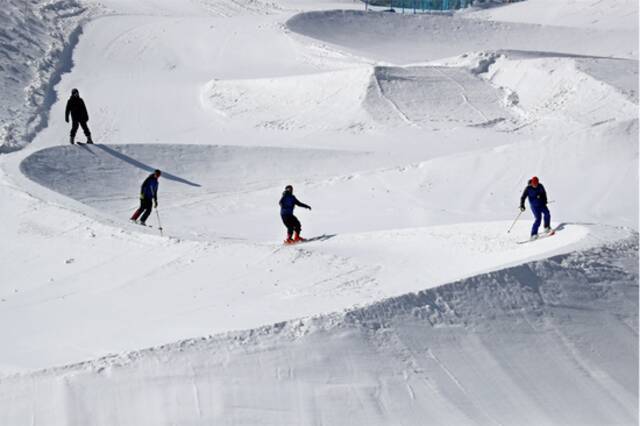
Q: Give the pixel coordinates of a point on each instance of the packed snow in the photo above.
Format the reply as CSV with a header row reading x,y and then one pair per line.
x,y
412,138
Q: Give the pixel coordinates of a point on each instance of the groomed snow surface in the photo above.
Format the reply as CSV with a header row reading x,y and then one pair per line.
x,y
411,136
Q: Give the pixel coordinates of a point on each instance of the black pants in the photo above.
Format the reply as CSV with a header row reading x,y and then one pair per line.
x,y
146,205
85,128
292,223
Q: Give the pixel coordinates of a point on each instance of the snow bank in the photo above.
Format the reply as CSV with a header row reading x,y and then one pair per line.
x,y
361,99
428,37
607,15
36,40
549,342
558,88
330,100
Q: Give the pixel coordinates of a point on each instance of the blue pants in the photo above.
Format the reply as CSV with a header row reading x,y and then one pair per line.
x,y
538,211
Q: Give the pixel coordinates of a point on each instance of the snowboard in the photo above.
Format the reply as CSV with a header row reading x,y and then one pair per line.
x,y
540,237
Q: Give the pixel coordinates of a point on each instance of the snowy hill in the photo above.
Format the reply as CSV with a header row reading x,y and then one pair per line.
x,y
411,136
526,345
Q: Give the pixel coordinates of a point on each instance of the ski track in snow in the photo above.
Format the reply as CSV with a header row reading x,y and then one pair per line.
x,y
417,308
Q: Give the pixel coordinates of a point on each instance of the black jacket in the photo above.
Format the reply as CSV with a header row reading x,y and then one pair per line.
x,y
75,107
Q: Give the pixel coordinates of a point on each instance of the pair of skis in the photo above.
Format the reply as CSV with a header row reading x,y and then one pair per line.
x,y
308,240
542,236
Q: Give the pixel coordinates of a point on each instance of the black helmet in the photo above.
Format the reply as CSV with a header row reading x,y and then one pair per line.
x,y
74,92
288,188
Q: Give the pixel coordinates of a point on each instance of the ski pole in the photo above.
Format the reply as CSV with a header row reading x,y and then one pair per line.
x,y
514,222
159,223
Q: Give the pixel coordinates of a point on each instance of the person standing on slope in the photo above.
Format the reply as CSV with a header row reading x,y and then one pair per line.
x,y
288,202
537,196
79,116
148,197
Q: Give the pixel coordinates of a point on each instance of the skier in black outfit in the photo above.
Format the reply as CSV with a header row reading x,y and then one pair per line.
x,y
148,197
287,203
79,116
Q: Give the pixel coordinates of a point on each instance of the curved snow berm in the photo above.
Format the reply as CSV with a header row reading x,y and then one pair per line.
x,y
549,342
423,37
197,180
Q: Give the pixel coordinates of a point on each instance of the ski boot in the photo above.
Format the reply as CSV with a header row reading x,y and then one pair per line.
x,y
71,140
297,238
533,237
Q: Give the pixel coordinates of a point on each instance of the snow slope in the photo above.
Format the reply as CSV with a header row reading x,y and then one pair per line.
x,y
526,345
378,35
616,15
411,136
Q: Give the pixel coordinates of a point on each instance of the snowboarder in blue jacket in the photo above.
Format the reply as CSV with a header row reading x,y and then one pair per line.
x,y
537,196
288,202
148,197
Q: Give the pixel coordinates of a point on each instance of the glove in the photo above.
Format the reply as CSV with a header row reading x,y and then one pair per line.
x,y
155,204
66,119
141,196
309,207
522,208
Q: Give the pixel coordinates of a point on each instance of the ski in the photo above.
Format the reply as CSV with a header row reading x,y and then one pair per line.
x,y
322,237
540,237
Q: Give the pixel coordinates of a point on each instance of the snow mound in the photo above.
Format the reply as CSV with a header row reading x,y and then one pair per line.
x,y
327,100
558,88
361,99
611,15
35,49
548,342
425,37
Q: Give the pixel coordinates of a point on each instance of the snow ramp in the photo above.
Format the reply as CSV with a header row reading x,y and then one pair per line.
x,y
553,341
360,99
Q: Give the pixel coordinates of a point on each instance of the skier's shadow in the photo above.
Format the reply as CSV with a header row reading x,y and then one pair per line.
x,y
140,165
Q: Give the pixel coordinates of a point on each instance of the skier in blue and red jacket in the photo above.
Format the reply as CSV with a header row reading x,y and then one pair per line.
x,y
288,202
148,197
537,196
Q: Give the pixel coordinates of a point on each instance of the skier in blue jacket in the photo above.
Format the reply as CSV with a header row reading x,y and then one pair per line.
x,y
537,196
148,197
288,202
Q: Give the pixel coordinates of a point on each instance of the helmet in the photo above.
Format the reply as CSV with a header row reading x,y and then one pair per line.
x,y
535,180
157,173
74,92
288,188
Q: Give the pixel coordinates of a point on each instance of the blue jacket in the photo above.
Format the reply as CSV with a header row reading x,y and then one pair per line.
x,y
288,202
537,196
149,187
